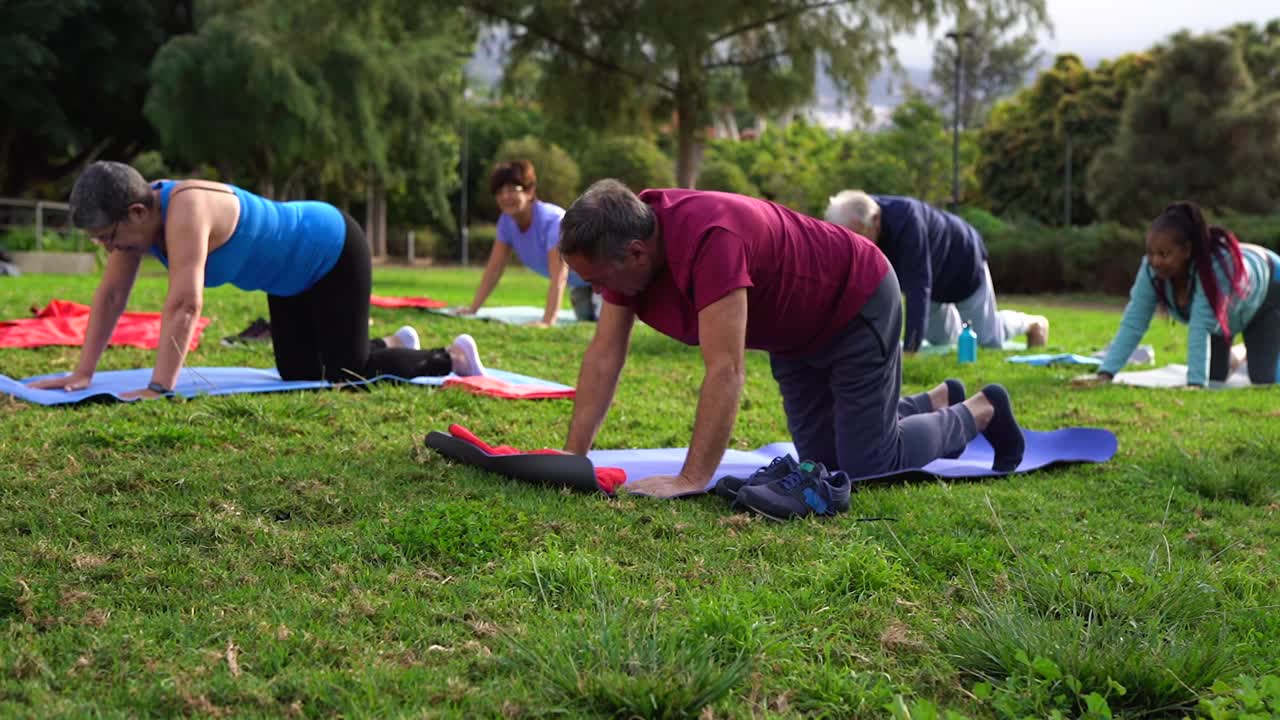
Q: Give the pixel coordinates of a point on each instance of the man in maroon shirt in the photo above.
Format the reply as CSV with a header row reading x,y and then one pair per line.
x,y
727,273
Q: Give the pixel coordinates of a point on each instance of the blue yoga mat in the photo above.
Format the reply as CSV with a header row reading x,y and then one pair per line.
x,y
1070,445
193,381
1055,359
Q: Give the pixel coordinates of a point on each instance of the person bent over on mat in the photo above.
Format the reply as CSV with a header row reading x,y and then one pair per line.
x,y
1214,284
531,227
728,273
310,258
941,264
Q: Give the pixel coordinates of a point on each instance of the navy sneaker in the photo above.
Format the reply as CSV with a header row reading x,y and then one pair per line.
x,y
258,331
807,490
728,486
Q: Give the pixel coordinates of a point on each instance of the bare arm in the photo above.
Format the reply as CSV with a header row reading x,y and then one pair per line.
x,y
598,377
722,330
722,333
492,274
558,274
187,231
109,301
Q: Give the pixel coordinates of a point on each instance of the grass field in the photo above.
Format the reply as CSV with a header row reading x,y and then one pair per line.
x,y
301,555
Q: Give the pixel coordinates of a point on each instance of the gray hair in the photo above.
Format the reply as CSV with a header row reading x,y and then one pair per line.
x,y
603,220
103,193
852,207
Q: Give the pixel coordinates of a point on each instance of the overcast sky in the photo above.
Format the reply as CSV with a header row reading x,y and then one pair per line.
x,y
1097,29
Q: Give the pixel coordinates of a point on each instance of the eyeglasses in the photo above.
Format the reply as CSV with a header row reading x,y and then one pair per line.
x,y
508,189
106,242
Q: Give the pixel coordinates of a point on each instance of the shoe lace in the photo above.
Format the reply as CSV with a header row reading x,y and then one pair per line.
x,y
791,480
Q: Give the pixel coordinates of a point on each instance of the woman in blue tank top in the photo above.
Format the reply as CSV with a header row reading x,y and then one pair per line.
x,y
310,258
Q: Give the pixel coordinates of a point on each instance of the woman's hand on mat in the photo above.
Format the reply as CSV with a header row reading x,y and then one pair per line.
x,y
664,485
143,394
540,324
70,383
464,310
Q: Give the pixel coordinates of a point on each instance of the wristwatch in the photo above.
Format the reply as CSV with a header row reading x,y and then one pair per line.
x,y
156,387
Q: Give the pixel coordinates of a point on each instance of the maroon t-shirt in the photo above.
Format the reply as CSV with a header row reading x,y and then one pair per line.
x,y
806,279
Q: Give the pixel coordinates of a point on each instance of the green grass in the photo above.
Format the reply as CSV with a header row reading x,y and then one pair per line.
x,y
302,555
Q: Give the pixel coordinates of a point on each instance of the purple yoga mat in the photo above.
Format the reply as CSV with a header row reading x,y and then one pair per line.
x,y
1071,445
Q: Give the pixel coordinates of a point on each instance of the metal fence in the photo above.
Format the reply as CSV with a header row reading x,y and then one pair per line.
x,y
44,215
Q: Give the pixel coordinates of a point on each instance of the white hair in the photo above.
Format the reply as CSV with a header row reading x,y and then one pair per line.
x,y
852,207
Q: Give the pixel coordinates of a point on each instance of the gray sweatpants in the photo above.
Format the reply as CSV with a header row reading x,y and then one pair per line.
x,y
843,406
992,326
586,304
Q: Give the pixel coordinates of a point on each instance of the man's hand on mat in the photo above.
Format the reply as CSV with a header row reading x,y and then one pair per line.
x,y
540,324
664,485
143,394
464,310
70,383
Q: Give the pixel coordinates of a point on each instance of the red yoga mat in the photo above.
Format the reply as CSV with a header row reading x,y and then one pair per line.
x,y
64,323
406,302
499,388
608,478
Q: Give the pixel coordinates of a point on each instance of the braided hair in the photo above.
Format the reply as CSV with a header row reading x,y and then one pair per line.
x,y
1208,244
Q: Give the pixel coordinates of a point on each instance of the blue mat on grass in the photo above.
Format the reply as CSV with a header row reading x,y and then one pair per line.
x,y
1055,359
193,381
1070,445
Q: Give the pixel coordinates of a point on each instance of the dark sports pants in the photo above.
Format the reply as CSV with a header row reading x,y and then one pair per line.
x,y
843,406
1261,341
323,332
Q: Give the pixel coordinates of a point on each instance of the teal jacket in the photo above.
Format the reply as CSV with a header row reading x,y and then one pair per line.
x,y
1259,269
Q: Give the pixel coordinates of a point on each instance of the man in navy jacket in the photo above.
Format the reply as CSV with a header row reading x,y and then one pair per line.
x,y
941,264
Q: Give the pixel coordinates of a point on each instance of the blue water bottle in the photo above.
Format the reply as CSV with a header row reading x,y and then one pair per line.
x,y
967,345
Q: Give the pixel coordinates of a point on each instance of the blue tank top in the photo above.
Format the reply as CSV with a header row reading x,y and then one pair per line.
x,y
281,248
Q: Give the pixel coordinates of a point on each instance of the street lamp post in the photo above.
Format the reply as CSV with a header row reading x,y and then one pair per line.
x,y
959,36
464,227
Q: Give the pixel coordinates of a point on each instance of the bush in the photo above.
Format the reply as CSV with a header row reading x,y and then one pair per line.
x,y
24,239
725,176
427,242
480,242
633,160
1027,257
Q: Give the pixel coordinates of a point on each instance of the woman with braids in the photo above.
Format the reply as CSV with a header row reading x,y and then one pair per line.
x,y
310,258
1215,285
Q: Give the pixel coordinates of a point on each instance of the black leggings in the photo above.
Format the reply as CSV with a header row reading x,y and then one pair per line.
x,y
1261,341
323,332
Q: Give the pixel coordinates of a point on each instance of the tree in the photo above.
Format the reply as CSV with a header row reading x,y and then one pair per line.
x,y
1261,48
72,78
1190,132
1022,147
994,63
638,62
356,99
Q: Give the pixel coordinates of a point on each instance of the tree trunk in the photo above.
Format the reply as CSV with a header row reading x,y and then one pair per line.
x,y
688,142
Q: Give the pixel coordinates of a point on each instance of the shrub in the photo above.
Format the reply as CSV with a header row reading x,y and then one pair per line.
x,y
723,175
633,160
